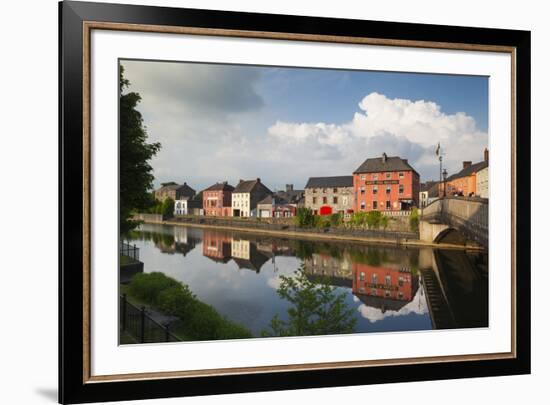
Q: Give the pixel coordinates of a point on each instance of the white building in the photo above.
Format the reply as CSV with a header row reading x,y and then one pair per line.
x,y
181,207
482,182
245,197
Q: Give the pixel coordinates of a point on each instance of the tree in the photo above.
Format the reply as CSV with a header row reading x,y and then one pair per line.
x,y
316,308
414,220
305,217
136,174
167,208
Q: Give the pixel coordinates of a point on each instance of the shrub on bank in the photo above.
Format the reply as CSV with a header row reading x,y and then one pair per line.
x,y
200,321
414,220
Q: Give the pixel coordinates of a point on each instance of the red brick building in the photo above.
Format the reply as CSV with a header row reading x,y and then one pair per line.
x,y
387,282
386,183
216,246
216,200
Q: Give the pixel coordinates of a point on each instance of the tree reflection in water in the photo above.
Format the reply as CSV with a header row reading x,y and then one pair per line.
x,y
316,308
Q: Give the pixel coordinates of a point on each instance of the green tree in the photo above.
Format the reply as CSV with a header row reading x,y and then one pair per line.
x,y
136,174
167,208
414,220
317,309
304,217
374,219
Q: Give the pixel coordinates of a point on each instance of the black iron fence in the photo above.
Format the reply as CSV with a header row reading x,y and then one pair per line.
x,y
129,250
138,324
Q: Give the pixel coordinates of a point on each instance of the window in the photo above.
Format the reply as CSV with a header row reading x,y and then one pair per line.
x,y
362,189
362,276
374,278
387,293
324,190
401,175
400,281
314,200
335,200
362,205
374,205
314,190
334,190
388,280
375,176
388,189
388,205
400,295
373,291
362,177
388,175
401,189
324,200
375,190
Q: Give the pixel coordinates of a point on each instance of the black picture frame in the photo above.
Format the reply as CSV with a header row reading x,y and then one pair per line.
x,y
73,387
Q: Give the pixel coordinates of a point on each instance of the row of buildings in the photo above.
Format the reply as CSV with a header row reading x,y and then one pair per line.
x,y
384,183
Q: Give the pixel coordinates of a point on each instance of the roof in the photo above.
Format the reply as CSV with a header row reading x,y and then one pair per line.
x,y
247,186
474,168
220,187
427,185
292,196
335,181
177,187
271,199
384,164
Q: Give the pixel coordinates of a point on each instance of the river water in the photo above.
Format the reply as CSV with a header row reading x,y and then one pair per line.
x,y
388,288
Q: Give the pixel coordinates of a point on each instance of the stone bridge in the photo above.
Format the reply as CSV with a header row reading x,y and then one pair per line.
x,y
456,220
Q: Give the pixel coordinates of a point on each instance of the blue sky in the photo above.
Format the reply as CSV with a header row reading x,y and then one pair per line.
x,y
228,122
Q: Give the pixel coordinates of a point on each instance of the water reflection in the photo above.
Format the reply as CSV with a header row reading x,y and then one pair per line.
x,y
390,288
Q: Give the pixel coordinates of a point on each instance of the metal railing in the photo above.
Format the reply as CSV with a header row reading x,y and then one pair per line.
x,y
138,324
125,249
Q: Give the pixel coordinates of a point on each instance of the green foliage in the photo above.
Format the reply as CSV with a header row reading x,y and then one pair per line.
x,y
322,222
304,218
200,321
374,219
336,220
317,309
384,222
148,286
136,174
167,209
414,220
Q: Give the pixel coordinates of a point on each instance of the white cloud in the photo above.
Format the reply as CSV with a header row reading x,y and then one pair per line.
x,y
410,129
417,306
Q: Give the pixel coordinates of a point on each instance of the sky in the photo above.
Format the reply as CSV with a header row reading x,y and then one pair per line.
x,y
230,122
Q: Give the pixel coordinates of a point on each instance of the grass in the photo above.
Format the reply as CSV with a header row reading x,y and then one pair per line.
x,y
198,320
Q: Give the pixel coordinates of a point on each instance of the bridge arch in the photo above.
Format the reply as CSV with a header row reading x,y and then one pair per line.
x,y
450,235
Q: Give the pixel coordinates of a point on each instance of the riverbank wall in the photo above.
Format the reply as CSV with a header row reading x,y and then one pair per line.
x,y
287,230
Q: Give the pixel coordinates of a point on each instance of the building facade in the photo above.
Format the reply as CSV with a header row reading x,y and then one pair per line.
x,y
216,200
245,197
464,183
174,191
330,195
386,183
275,207
482,183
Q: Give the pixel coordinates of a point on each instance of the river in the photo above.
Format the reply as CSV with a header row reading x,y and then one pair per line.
x,y
388,288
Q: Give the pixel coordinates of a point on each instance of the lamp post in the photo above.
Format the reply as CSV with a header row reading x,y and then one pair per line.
x,y
444,182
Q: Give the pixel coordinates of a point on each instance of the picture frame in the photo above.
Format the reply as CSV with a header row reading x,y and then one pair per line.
x,y
77,383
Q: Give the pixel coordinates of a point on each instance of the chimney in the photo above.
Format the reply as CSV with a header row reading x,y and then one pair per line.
x,y
258,179
486,155
289,187
241,180
384,157
466,164
406,161
224,183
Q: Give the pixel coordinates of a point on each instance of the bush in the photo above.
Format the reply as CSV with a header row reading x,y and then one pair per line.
x,y
200,321
148,286
414,220
304,217
336,219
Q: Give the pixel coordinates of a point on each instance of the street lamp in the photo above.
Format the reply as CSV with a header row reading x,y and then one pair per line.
x,y
444,182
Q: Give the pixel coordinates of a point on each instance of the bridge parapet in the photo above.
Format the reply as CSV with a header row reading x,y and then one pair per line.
x,y
470,216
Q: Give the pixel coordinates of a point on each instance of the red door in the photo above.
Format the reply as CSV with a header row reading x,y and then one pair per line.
x,y
325,210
